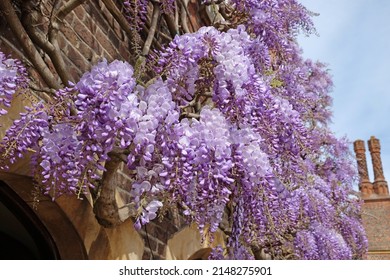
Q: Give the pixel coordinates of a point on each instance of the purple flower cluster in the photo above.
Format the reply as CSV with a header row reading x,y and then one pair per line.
x,y
276,22
136,13
205,159
277,113
152,149
13,77
23,136
107,107
321,242
60,160
259,140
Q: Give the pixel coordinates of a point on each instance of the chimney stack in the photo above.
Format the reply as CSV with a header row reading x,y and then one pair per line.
x,y
379,187
380,184
365,186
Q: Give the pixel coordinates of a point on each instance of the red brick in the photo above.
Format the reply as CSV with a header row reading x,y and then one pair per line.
x,y
106,44
118,31
376,220
75,73
62,41
80,13
69,34
124,52
83,32
93,12
86,51
77,59
113,38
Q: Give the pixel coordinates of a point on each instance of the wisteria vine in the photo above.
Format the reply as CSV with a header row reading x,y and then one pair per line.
x,y
13,77
234,119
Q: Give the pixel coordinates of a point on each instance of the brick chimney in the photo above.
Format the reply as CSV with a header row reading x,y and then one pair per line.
x,y
380,184
365,186
379,187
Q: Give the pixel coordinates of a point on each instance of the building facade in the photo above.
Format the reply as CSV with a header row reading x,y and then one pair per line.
x,y
376,207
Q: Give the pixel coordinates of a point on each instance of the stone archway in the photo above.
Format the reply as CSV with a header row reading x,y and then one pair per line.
x,y
72,225
22,235
48,225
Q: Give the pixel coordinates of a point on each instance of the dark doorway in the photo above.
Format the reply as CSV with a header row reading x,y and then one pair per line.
x,y
22,235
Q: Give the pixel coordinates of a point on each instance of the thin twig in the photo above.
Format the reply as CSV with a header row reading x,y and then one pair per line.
x,y
165,36
152,30
41,89
222,11
213,2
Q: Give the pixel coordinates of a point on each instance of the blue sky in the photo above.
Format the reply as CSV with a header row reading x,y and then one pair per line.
x,y
354,40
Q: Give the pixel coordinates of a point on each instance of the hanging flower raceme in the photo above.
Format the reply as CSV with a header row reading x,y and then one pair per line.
x,y
13,77
236,124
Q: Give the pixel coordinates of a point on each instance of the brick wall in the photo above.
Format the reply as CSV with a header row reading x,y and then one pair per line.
x,y
376,220
376,207
88,34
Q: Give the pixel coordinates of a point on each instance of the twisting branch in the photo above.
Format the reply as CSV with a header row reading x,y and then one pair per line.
x,y
113,9
55,54
222,10
157,34
44,92
171,24
194,102
105,207
164,36
213,2
62,12
67,8
50,46
152,30
183,16
27,45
